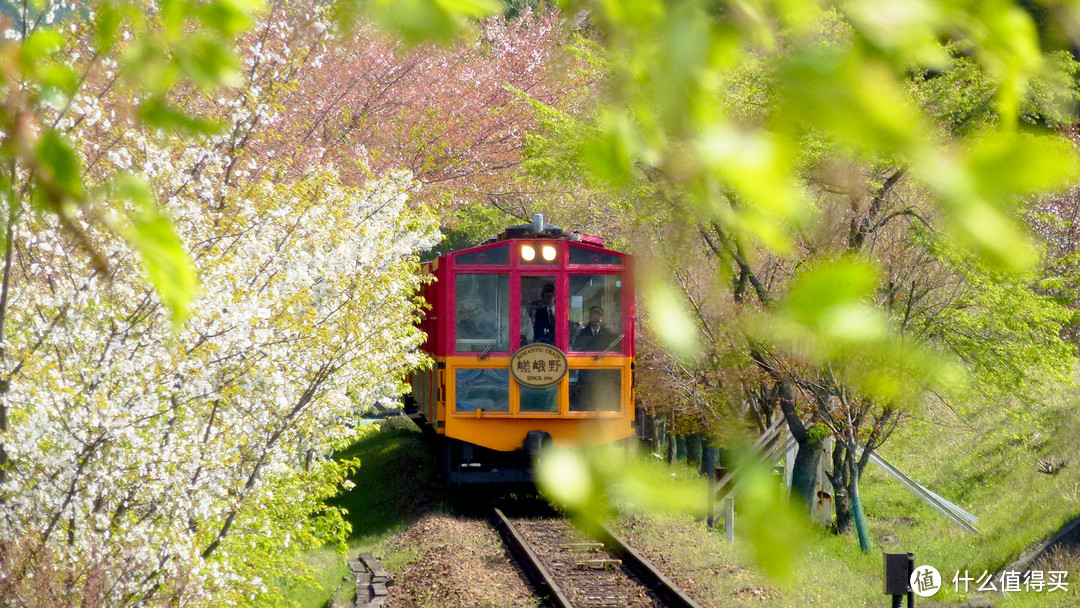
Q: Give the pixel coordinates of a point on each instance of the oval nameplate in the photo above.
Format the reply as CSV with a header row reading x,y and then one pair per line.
x,y
538,365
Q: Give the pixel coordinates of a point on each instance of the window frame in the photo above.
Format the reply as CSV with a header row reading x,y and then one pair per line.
x,y
505,271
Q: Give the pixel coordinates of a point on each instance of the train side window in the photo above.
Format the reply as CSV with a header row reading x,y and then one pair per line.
x,y
481,389
482,320
495,255
596,312
595,390
538,399
538,310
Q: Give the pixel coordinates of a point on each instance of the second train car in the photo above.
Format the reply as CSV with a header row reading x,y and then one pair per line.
x,y
532,335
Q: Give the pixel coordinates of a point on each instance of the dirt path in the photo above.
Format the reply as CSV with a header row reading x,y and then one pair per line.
x,y
445,562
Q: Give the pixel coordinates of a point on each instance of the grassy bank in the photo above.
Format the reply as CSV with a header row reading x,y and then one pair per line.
x,y
985,461
395,485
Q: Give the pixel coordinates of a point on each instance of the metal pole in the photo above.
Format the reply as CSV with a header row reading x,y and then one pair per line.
x,y
910,570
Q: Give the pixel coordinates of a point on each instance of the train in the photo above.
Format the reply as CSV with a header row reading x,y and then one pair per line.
x,y
531,335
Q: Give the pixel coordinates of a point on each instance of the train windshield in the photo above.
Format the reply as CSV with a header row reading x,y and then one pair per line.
x,y
483,313
596,312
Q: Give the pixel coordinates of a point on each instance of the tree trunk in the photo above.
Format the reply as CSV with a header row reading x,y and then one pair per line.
x,y
804,473
804,470
693,449
841,486
671,449
843,511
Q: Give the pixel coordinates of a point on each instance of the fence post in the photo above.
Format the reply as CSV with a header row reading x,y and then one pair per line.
x,y
729,519
709,464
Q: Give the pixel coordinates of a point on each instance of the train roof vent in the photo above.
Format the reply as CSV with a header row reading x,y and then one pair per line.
x,y
537,229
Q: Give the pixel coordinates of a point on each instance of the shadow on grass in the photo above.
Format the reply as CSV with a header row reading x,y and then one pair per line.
x,y
396,483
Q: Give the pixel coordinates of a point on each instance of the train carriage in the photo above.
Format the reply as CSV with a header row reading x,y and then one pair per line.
x,y
532,334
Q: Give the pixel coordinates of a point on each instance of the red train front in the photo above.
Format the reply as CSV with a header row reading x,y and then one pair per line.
x,y
532,334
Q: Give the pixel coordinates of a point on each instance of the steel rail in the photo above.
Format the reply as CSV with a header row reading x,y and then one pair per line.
x,y
655,580
530,562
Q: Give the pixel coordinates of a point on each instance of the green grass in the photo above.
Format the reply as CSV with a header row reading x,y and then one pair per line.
x,y
986,464
395,484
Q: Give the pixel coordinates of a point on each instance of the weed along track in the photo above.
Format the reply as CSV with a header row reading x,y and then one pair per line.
x,y
576,571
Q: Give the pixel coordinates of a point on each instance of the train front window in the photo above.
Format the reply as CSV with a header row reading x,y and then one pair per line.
x,y
595,390
592,257
481,389
495,255
538,310
596,313
482,313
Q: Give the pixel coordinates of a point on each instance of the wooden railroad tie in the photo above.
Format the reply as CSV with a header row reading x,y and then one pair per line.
x,y
371,581
598,564
583,547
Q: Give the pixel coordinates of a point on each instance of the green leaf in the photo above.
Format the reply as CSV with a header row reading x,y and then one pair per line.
x,y
58,84
229,17
173,13
767,519
684,51
60,163
1008,165
440,20
106,27
471,9
669,317
565,477
823,294
39,45
156,113
756,165
150,65
208,61
164,260
611,151
857,101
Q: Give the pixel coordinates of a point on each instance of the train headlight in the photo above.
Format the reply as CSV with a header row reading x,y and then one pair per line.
x,y
548,251
528,253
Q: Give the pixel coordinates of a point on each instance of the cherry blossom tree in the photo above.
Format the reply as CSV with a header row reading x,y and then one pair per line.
x,y
149,461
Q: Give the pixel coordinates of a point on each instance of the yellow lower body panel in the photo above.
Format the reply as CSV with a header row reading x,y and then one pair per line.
x,y
592,404
507,434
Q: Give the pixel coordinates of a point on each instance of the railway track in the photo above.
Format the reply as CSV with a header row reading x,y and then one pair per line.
x,y
576,571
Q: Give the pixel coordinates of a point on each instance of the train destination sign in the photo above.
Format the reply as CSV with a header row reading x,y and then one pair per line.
x,y
538,365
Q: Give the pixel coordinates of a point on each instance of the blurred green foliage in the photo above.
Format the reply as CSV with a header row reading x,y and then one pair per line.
x,y
747,116
590,483
734,104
